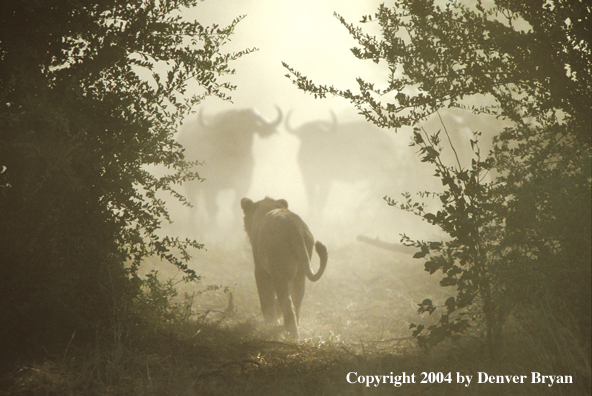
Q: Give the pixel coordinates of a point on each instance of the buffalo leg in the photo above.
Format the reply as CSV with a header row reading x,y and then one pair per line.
x,y
211,204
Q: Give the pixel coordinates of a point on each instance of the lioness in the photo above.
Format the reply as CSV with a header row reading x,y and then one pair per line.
x,y
282,249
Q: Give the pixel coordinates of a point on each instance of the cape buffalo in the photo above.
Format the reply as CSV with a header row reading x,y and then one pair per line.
x,y
224,143
351,152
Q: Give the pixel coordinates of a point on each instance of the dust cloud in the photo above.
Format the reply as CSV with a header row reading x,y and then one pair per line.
x,y
331,166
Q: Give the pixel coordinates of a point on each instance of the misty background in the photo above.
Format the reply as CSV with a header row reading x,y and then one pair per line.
x,y
308,37
366,290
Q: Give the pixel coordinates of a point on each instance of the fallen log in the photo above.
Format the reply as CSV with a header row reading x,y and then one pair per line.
x,y
393,247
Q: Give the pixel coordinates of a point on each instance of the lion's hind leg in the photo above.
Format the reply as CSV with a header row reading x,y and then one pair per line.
x,y
298,287
282,290
266,290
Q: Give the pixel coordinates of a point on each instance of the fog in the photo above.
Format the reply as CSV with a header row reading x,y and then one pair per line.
x,y
360,168
308,37
305,34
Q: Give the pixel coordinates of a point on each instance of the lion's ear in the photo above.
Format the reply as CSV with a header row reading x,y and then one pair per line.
x,y
283,202
247,205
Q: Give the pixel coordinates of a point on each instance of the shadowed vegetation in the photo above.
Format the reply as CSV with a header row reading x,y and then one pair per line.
x,y
356,321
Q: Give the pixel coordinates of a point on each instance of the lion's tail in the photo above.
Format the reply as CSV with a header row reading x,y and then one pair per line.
x,y
322,252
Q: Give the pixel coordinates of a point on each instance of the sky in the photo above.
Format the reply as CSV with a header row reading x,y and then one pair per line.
x,y
304,34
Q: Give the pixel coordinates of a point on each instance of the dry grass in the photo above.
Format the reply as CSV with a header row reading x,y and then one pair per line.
x,y
355,319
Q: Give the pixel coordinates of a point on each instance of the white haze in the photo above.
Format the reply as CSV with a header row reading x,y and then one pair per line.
x,y
308,37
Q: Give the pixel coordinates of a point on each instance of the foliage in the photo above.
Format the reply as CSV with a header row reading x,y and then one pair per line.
x,y
525,237
467,217
448,56
90,94
158,302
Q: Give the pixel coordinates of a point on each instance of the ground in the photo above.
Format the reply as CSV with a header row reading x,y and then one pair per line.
x,y
354,320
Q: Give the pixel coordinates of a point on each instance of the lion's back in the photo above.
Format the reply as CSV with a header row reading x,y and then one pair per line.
x,y
283,232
